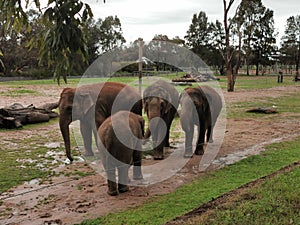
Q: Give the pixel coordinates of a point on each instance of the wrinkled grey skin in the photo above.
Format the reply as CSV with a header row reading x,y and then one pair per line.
x,y
92,104
160,100
200,106
121,144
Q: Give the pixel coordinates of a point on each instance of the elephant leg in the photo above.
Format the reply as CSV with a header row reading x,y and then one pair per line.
x,y
209,137
123,178
158,152
158,144
137,164
201,140
111,182
188,153
169,123
86,132
111,175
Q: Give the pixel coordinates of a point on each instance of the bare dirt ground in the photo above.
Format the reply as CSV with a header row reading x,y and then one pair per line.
x,y
63,202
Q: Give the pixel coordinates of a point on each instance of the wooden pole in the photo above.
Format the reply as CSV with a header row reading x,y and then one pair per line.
x,y
141,45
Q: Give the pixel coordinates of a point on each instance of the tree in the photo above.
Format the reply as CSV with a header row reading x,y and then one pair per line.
x,y
62,37
197,38
198,34
16,54
290,42
110,33
229,51
257,28
217,43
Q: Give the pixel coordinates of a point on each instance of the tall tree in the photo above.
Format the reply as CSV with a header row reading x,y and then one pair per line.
x,y
229,51
290,42
111,35
197,38
198,34
257,28
63,37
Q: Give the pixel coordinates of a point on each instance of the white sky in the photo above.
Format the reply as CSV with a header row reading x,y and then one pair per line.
x,y
145,18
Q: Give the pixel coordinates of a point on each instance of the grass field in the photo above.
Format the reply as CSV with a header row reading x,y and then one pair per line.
x,y
264,207
164,208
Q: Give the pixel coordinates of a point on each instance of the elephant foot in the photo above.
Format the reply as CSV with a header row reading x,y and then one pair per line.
x,y
188,154
158,155
88,154
112,193
199,150
112,188
123,188
137,174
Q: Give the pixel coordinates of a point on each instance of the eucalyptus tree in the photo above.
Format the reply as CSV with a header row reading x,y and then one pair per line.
x,y
16,55
110,33
258,32
229,50
197,37
290,42
62,38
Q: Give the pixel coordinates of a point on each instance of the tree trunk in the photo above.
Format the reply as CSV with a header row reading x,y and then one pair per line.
x,y
229,54
230,80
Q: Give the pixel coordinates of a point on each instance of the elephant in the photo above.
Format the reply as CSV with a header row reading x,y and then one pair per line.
x,y
121,143
200,106
160,102
92,104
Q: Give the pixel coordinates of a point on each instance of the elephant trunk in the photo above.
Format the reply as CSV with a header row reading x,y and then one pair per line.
x,y
64,128
153,123
186,119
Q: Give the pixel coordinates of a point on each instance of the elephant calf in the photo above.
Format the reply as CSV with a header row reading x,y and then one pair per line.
x,y
200,106
121,145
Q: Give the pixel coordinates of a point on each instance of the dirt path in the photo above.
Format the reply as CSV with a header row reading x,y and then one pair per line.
x,y
68,201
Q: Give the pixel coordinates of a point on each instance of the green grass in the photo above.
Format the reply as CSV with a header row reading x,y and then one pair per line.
x,y
275,201
18,92
25,159
285,104
257,82
161,209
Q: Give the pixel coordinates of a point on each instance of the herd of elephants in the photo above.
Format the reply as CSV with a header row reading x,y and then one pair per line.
x,y
112,112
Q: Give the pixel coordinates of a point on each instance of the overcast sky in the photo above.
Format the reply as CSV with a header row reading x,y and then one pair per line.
x,y
145,18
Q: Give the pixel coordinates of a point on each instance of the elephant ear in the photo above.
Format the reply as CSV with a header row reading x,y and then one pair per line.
x,y
86,101
168,107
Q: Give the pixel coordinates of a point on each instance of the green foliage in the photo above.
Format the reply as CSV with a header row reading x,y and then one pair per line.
x,y
290,42
110,33
256,25
63,39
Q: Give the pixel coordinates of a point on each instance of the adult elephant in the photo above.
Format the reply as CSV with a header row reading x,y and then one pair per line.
x,y
121,143
200,106
92,104
160,102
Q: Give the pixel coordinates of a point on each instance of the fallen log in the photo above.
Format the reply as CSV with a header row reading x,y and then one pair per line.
x,y
262,110
15,116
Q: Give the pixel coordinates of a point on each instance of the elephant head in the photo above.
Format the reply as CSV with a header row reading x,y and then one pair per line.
x,y
155,107
160,101
72,108
192,104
